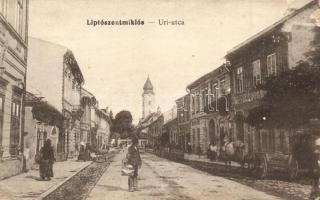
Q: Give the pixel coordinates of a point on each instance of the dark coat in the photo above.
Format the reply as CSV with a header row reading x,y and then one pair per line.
x,y
47,153
133,156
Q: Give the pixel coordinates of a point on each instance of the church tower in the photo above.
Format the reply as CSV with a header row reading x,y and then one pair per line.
x,y
148,104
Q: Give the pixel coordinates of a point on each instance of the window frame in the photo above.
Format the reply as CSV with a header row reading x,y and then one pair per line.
x,y
239,80
272,66
256,77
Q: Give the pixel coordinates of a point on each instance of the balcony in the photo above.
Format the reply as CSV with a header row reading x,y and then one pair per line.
x,y
77,112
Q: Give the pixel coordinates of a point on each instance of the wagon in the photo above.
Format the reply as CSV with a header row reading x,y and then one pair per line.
x,y
265,164
290,164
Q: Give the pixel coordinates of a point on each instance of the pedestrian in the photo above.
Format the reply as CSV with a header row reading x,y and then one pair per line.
x,y
189,147
46,161
315,170
134,159
82,152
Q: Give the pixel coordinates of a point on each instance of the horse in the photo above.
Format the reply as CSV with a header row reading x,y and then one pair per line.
x,y
233,151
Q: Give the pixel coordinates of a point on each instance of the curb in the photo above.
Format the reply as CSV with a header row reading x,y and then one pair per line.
x,y
53,188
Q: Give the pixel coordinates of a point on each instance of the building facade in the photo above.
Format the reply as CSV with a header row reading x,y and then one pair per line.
x,y
42,122
270,52
88,103
183,120
209,109
103,131
170,134
13,67
61,88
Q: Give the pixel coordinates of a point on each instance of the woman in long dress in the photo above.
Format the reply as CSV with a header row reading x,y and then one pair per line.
x,y
47,160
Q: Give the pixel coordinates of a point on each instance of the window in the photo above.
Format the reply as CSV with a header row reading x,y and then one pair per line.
x,y
271,64
15,126
222,86
19,16
204,98
3,7
1,116
198,103
239,80
256,72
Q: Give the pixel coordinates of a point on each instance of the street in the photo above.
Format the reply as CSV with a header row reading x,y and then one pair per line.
x,y
163,179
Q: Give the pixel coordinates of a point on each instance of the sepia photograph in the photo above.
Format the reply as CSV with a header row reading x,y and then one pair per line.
x,y
160,100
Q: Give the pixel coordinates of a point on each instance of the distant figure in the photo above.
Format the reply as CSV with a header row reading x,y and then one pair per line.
x,y
134,159
82,152
189,148
315,170
213,151
47,160
87,152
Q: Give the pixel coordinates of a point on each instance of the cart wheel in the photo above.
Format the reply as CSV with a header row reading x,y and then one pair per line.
x,y
293,169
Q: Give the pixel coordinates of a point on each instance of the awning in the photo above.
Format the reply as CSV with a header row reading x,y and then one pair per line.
x,y
46,113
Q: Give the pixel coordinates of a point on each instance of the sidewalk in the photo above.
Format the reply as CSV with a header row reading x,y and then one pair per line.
x,y
29,186
194,157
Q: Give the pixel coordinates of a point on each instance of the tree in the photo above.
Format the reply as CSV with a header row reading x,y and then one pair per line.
x,y
122,124
291,98
313,56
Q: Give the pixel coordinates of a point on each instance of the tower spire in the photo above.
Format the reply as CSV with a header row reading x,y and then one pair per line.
x,y
148,87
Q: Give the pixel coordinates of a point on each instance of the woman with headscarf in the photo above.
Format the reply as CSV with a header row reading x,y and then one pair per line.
x,y
47,160
134,159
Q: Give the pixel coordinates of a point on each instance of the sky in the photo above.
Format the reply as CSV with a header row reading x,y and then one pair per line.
x,y
116,60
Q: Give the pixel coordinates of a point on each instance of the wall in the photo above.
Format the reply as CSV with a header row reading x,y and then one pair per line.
x,y
146,108
45,71
300,26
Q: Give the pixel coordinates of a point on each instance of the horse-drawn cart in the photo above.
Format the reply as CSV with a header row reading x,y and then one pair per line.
x,y
266,163
297,160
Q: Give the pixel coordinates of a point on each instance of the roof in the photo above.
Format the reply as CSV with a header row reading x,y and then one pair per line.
x,y
170,114
173,121
214,73
148,85
270,28
147,121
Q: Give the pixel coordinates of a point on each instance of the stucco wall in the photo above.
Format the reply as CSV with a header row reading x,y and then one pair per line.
x,y
300,27
45,71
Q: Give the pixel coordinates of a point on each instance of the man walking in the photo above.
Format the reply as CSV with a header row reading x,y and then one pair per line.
x,y
134,159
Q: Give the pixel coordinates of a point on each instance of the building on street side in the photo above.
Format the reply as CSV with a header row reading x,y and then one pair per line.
x,y
88,102
169,129
60,88
273,50
13,67
209,109
42,122
103,131
183,119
